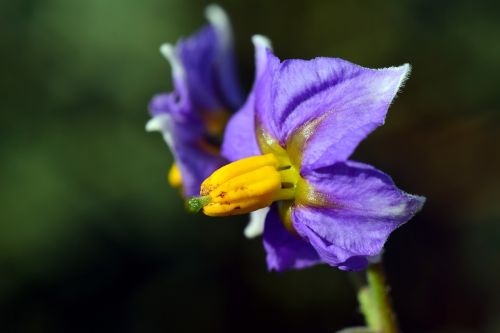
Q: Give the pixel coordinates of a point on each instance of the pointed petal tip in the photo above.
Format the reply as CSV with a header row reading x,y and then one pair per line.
x,y
168,51
252,231
261,41
263,48
152,125
403,70
216,15
220,22
255,226
419,202
394,78
156,123
405,73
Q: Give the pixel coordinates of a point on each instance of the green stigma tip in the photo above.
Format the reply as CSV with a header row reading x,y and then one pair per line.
x,y
195,204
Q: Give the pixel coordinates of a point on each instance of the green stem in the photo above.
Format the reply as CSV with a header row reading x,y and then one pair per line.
x,y
375,302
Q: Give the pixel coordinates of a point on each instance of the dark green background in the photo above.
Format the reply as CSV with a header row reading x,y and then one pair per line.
x,y
92,239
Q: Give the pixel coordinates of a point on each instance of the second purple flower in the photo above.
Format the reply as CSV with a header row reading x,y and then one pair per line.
x,y
206,91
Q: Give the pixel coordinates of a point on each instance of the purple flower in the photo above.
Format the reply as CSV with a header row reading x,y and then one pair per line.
x,y
193,116
291,144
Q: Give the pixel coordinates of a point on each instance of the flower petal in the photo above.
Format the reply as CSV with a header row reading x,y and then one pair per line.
x,y
239,137
328,252
210,65
284,250
255,226
226,66
366,208
352,99
264,95
358,106
177,102
172,104
193,159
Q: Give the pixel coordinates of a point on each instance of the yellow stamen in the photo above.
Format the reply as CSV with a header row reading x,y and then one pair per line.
x,y
215,121
285,212
246,185
174,176
304,194
258,181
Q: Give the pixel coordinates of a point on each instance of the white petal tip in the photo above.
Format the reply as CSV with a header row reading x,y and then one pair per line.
x,y
160,123
255,227
153,125
250,234
405,69
216,15
220,21
168,51
261,41
261,44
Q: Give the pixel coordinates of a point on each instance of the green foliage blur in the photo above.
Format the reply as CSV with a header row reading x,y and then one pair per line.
x,y
92,239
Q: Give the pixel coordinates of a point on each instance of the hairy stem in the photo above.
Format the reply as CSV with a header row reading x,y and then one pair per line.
x,y
375,303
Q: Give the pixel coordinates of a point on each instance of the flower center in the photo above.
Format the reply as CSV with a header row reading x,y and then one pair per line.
x,y
246,185
258,181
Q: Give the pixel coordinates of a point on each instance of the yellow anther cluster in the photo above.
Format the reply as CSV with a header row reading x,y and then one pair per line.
x,y
246,185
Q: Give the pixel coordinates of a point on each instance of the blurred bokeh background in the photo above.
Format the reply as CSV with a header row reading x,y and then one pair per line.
x,y
92,239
